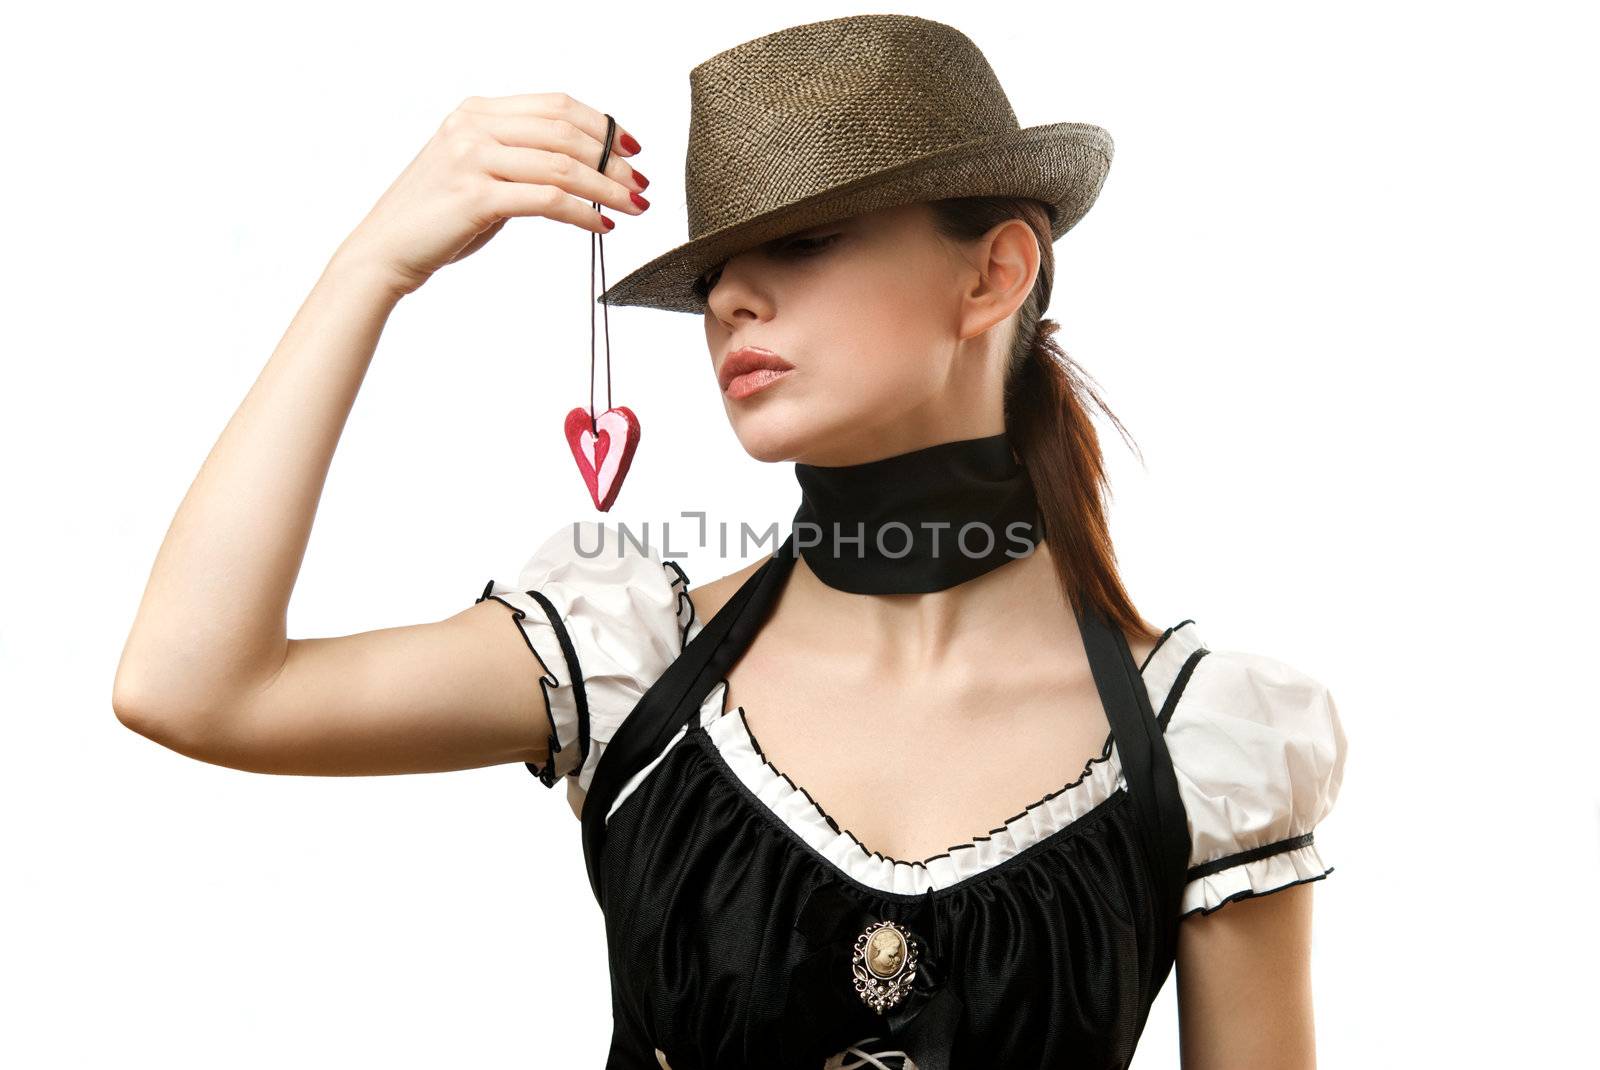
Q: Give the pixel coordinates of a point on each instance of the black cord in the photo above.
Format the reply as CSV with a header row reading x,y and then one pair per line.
x,y
597,241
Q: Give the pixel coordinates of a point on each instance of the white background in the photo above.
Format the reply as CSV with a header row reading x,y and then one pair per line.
x,y
1340,285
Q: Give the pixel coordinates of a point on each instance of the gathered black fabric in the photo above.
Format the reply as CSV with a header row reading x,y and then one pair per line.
x,y
919,521
730,938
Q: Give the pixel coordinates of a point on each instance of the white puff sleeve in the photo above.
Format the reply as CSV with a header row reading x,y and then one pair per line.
x,y
1259,752
603,616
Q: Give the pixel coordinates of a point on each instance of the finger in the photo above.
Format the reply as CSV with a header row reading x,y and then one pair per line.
x,y
525,199
558,106
543,167
558,135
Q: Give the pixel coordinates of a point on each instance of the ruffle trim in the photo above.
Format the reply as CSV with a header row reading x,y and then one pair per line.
x,y
1260,876
795,807
686,617
546,773
1162,641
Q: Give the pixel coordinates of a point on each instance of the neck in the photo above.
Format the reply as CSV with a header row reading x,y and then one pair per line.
x,y
911,636
917,522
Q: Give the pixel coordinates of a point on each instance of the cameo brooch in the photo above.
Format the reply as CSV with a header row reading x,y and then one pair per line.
x,y
884,964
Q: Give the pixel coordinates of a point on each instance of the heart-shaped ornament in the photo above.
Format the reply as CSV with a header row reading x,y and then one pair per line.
x,y
604,450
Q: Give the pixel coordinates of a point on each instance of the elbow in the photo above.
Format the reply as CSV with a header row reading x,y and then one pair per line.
x,y
143,716
128,703
169,705
191,735
152,715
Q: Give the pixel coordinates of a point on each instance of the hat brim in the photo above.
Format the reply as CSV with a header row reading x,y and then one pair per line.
x,y
1061,164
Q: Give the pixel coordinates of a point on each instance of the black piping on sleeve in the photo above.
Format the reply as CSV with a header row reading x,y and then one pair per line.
x,y
1178,685
575,674
547,775
1205,869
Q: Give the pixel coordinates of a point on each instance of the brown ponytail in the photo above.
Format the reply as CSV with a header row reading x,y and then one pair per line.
x,y
1047,396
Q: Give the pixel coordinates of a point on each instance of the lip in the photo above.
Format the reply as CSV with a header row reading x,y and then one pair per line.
x,y
749,369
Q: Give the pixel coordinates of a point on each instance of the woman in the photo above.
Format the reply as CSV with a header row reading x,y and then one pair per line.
x,y
794,780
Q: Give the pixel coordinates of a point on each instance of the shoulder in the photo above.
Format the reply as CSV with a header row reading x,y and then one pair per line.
x,y
1259,751
1141,647
708,598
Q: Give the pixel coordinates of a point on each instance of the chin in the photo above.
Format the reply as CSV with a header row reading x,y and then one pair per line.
x,y
770,438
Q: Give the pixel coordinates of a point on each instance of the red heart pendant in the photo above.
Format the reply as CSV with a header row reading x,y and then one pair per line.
x,y
603,450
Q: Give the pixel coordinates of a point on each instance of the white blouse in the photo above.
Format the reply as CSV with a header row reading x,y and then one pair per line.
x,y
1257,745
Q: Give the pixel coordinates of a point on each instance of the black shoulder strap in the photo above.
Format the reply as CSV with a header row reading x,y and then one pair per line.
x,y
1141,746
676,696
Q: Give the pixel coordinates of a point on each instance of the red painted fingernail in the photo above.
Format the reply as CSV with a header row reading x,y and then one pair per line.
x,y
640,201
639,177
628,143
608,223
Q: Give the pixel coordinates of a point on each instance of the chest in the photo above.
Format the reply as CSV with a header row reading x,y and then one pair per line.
x,y
914,763
733,903
732,933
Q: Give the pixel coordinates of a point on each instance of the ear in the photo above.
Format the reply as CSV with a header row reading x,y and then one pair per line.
x,y
1006,260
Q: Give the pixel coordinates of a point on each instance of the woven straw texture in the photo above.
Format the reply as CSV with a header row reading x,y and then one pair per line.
x,y
827,120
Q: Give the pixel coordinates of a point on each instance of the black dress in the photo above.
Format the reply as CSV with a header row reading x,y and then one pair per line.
x,y
738,914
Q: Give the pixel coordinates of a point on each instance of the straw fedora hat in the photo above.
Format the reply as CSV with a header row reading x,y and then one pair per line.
x,y
827,120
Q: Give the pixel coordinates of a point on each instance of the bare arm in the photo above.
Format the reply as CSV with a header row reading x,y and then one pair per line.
x,y
208,668
1244,985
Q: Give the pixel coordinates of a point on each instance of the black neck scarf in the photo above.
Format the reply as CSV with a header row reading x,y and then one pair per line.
x,y
917,522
